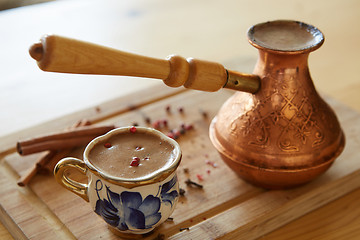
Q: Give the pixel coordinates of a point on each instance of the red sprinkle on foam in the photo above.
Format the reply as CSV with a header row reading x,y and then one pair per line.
x,y
135,162
107,145
133,129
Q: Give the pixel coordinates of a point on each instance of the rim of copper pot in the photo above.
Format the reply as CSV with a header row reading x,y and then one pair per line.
x,y
313,34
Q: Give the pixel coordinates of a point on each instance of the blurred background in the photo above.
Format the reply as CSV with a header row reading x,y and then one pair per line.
x,y
206,29
8,4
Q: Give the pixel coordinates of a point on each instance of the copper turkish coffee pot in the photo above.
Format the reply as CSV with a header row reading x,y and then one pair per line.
x,y
275,132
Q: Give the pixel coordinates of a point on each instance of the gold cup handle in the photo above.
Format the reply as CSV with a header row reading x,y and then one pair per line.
x,y
62,166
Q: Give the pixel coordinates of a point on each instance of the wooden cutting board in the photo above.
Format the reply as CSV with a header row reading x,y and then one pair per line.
x,y
226,207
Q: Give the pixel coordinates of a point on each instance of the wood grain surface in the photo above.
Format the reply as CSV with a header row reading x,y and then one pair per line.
x,y
227,207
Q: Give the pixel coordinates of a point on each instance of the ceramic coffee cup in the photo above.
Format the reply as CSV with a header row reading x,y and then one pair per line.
x,y
128,205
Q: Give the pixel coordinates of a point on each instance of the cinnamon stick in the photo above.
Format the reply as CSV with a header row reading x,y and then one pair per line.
x,y
49,166
64,140
53,156
25,179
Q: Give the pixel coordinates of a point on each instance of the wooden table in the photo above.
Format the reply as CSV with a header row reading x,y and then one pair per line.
x,y
208,30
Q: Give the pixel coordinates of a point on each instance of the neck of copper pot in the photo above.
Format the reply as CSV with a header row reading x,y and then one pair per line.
x,y
278,69
268,62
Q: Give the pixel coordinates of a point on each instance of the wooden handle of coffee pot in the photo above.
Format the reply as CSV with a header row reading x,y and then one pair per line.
x,y
60,54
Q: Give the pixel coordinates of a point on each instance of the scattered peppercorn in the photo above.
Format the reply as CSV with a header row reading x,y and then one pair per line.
x,y
160,236
182,131
147,120
181,191
204,114
214,165
168,109
176,133
182,229
192,183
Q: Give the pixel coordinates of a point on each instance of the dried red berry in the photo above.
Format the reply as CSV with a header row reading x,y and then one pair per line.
x,y
200,177
135,162
133,129
156,124
214,165
165,122
168,108
189,127
170,135
107,145
176,133
181,110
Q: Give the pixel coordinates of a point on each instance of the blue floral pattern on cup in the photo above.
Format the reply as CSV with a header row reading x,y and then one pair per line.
x,y
166,195
128,210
